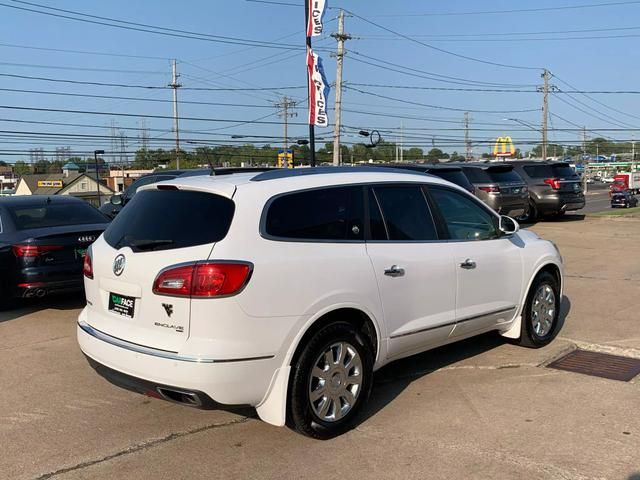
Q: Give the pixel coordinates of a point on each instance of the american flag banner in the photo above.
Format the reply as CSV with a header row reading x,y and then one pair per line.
x,y
316,9
318,90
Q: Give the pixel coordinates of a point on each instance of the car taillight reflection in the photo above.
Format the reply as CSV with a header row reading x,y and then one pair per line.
x,y
34,250
553,182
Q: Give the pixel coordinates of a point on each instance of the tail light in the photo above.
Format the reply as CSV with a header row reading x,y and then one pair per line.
x,y
490,189
525,189
87,265
34,250
553,182
206,279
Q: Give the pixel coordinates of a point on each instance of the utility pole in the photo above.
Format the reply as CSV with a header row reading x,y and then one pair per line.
x,y
341,37
285,105
175,86
545,112
467,142
545,108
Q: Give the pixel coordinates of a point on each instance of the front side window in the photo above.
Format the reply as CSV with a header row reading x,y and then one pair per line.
x,y
463,217
324,214
405,212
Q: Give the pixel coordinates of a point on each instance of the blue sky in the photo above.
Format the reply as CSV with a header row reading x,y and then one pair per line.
x,y
587,63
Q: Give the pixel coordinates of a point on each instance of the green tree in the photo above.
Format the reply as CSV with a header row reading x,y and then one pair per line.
x,y
436,154
21,168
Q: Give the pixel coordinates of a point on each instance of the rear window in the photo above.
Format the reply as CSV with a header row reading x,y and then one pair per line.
x,y
476,175
539,171
563,171
167,219
504,175
54,215
323,214
453,176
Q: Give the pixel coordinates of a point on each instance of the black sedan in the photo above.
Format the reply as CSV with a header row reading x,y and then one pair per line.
x,y
623,199
43,240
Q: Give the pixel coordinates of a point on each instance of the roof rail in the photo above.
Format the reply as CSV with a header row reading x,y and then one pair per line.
x,y
301,172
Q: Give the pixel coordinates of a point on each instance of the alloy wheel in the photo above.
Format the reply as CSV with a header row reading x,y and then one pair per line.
x,y
335,382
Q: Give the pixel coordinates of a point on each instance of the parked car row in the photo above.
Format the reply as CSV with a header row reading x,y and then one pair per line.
x,y
526,190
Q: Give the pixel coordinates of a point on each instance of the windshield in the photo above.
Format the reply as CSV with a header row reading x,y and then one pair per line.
x,y
454,176
166,219
55,214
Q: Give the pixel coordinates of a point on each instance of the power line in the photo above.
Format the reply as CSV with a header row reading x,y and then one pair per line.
x,y
137,115
439,77
136,99
522,10
504,34
597,101
149,87
437,106
82,52
146,28
83,69
442,50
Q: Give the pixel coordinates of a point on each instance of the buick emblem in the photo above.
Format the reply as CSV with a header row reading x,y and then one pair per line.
x,y
118,265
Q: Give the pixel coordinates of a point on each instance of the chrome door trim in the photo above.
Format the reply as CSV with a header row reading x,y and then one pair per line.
x,y
450,324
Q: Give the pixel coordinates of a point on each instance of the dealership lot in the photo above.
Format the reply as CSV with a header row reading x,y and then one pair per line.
x,y
479,409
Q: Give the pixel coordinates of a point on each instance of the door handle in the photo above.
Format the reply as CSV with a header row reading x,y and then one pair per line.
x,y
394,271
468,264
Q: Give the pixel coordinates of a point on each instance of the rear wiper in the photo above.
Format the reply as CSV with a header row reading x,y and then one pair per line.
x,y
149,244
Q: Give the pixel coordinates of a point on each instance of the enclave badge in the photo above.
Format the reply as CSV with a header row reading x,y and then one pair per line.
x,y
118,265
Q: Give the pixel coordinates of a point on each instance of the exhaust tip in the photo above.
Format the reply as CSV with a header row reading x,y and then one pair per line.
x,y
189,399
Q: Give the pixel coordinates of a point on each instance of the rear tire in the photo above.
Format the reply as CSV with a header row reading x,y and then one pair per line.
x,y
330,382
541,312
531,215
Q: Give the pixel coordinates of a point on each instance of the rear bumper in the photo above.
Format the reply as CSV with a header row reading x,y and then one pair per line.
x,y
558,203
30,289
142,369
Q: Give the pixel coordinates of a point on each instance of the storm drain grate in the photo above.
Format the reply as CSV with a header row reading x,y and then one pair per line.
x,y
598,364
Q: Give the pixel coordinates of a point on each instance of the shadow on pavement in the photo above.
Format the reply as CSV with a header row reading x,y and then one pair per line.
x,y
569,217
28,306
391,380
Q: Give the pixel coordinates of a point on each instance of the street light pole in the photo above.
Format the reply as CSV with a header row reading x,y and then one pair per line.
x,y
95,157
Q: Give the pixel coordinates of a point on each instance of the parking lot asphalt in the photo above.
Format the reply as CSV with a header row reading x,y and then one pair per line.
x,y
483,408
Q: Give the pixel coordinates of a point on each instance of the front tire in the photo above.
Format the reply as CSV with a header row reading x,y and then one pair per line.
x,y
331,381
541,312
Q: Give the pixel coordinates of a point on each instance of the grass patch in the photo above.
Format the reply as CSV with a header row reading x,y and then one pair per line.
x,y
617,212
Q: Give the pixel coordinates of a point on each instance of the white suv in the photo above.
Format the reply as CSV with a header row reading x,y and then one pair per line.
x,y
286,290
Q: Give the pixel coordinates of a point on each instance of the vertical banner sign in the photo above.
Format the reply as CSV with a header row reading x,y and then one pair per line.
x,y
315,16
318,90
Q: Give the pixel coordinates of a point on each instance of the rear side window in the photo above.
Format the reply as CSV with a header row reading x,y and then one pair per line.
x,y
499,175
539,171
54,215
167,219
405,212
322,214
476,175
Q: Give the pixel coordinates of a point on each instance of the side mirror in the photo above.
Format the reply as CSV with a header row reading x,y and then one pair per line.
x,y
508,225
116,199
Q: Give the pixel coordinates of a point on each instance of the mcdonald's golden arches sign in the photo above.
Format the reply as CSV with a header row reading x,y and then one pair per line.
x,y
504,147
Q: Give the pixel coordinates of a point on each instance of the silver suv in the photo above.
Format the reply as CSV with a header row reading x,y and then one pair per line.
x,y
500,187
